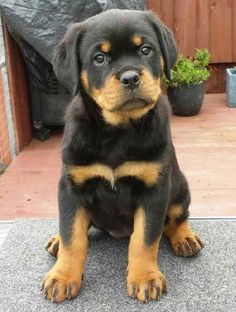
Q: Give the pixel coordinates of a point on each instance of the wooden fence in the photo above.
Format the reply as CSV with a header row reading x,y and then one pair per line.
x,y
207,24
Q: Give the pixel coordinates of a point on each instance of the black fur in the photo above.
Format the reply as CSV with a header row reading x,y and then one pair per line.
x,y
89,139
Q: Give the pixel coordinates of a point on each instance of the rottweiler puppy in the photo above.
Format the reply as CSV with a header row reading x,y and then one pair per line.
x,y
120,171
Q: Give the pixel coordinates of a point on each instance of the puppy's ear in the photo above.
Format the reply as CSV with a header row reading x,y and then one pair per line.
x,y
66,63
166,41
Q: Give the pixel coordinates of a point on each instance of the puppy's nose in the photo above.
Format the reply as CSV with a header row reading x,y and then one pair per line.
x,y
130,79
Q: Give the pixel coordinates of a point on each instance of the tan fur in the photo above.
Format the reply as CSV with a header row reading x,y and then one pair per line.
x,y
150,86
111,96
52,245
174,212
137,40
143,271
68,270
183,240
148,172
137,247
80,174
84,79
177,231
106,46
162,63
124,117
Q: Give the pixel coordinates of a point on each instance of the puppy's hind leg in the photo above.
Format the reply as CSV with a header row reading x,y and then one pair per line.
x,y
52,245
183,240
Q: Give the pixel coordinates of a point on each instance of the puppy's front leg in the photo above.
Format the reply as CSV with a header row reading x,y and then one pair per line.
x,y
145,281
64,279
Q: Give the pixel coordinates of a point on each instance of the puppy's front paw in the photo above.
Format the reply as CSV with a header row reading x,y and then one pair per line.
x,y
52,245
58,286
146,286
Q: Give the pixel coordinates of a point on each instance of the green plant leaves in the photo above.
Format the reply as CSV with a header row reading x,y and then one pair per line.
x,y
190,70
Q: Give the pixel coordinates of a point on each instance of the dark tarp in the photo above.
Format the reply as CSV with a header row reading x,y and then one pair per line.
x,y
38,26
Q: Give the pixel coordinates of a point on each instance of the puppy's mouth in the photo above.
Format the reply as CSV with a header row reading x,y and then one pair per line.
x,y
131,104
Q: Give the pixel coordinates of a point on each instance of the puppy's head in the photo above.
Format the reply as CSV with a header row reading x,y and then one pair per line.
x,y
117,58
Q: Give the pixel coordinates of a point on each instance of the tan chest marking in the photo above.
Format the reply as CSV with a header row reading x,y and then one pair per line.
x,y
80,174
148,172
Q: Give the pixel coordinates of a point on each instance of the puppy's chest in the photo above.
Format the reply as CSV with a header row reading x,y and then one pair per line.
x,y
117,155
145,171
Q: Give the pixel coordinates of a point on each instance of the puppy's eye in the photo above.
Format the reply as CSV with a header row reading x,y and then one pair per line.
x,y
99,59
146,50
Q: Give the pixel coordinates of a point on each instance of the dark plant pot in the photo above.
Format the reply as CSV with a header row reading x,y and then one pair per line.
x,y
186,100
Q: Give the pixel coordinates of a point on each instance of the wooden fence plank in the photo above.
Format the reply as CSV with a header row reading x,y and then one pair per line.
x,y
155,5
5,152
19,92
221,30
203,24
234,31
185,25
215,29
167,13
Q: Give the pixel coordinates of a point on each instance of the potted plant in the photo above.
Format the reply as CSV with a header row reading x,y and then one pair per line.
x,y
187,85
231,86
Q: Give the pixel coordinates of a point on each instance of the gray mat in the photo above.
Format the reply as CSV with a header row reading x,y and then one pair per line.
x,y
205,283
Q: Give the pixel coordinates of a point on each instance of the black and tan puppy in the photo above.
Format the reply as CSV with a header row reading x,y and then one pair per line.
x,y
120,171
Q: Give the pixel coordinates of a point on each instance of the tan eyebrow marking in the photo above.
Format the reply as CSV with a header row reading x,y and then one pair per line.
x,y
106,46
137,40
